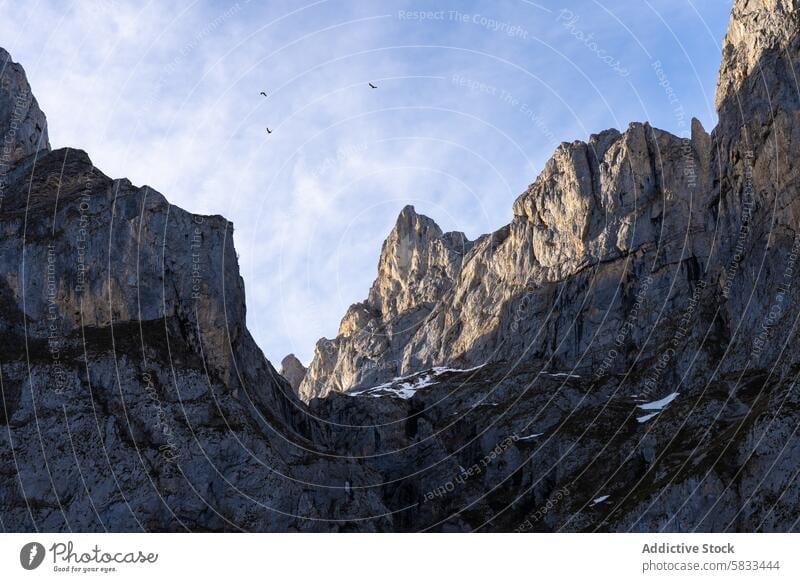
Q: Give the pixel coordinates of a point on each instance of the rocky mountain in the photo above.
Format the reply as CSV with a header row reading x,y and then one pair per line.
x,y
293,370
620,357
418,264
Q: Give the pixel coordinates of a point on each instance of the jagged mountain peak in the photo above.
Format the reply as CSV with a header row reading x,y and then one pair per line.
x,y
409,216
22,124
410,221
420,230
417,262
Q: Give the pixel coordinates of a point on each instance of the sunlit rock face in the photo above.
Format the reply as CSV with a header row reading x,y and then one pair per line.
x,y
607,215
621,356
758,31
417,267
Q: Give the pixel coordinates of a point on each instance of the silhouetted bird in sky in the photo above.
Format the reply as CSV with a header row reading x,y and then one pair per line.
x,y
269,130
373,86
262,93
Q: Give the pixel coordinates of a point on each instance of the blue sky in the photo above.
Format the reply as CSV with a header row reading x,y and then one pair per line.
x,y
473,98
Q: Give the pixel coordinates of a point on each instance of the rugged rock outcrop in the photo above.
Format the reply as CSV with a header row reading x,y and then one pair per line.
x,y
621,356
293,370
23,126
417,266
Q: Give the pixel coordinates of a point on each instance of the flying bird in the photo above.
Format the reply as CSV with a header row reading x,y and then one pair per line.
x,y
373,86
262,93
269,130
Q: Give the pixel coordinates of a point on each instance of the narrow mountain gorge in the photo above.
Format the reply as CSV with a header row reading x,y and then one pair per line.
x,y
622,356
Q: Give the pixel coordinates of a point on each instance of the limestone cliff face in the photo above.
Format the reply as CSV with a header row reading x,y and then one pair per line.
x,y
758,29
756,180
602,218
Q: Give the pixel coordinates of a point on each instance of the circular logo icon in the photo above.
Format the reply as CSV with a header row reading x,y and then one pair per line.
x,y
31,555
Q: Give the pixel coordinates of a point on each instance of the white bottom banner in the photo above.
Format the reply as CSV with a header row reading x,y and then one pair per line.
x,y
400,557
